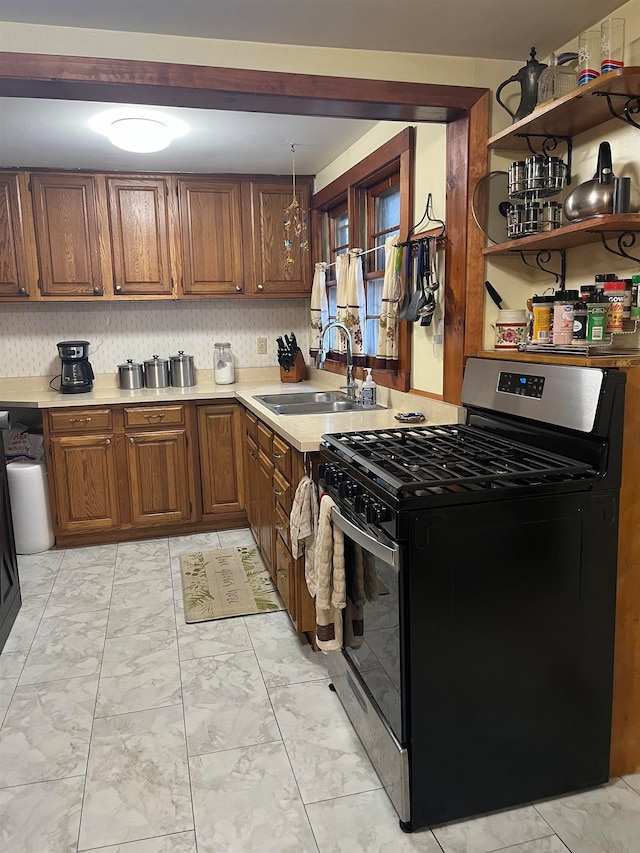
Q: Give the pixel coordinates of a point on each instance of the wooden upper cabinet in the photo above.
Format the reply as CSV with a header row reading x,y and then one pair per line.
x,y
141,220
18,269
71,234
211,234
272,275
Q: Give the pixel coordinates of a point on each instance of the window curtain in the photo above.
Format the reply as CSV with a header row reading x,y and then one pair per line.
x,y
387,349
350,302
319,307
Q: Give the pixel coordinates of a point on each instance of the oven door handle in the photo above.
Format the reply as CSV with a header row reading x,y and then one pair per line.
x,y
388,554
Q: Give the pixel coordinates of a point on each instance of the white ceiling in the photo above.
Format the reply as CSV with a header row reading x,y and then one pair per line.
x,y
495,29
56,134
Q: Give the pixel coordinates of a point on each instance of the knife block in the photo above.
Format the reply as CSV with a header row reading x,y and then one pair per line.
x,y
297,372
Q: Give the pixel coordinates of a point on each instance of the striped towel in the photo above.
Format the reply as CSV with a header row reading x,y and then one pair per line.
x,y
329,577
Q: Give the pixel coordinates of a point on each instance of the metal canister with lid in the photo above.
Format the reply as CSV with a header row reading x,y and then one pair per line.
x,y
182,370
156,372
130,375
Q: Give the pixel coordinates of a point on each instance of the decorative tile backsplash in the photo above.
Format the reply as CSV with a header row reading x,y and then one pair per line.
x,y
137,330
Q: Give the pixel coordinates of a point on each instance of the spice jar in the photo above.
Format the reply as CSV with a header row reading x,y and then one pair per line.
x,y
563,316
542,307
596,319
579,322
615,296
223,369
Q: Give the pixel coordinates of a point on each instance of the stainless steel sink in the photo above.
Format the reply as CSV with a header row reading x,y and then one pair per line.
x,y
311,403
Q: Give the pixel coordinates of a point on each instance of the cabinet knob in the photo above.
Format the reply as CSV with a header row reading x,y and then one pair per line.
x,y
261,287
118,288
97,290
132,440
108,441
22,291
239,288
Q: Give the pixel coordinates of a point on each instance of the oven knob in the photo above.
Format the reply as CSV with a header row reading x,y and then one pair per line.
x,y
331,475
377,512
360,503
344,489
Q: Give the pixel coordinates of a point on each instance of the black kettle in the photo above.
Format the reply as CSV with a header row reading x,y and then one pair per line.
x,y
528,77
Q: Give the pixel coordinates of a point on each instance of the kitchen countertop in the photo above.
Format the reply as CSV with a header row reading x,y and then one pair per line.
x,y
302,431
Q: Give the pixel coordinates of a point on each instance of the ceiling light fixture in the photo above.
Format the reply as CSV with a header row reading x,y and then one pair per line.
x,y
139,131
141,135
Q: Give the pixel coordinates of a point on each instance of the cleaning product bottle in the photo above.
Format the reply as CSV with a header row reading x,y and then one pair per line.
x,y
369,389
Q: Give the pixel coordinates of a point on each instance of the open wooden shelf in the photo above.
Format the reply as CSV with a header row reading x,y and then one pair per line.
x,y
574,113
630,360
570,236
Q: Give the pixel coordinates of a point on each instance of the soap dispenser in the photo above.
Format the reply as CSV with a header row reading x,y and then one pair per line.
x,y
369,390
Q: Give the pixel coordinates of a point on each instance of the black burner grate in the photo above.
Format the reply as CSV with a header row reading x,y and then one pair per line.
x,y
423,458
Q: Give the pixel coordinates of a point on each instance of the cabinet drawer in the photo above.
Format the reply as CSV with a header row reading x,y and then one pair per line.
x,y
153,416
264,437
80,420
282,456
251,425
282,491
282,526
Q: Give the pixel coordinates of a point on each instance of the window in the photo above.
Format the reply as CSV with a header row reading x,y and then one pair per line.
x,y
383,221
362,208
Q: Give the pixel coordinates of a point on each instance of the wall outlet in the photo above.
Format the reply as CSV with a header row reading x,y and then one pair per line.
x,y
261,346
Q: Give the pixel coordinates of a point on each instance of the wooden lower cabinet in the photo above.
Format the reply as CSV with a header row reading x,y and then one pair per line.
x,y
273,470
221,459
125,472
83,475
158,469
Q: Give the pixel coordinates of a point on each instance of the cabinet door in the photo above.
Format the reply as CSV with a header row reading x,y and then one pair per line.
x,y
221,462
251,486
266,510
273,276
139,218
211,234
16,273
159,477
69,231
285,577
85,483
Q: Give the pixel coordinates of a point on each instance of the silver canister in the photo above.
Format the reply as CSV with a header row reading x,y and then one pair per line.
x,y
156,372
182,371
130,375
517,185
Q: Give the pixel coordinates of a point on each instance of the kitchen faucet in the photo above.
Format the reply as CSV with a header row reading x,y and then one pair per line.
x,y
351,386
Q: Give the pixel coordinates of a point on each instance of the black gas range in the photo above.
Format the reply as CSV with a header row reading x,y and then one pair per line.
x,y
477,669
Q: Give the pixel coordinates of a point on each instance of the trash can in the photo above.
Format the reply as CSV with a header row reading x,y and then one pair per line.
x,y
29,495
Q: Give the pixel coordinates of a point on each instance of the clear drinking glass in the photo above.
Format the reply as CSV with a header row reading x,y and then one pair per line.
x,y
612,44
588,56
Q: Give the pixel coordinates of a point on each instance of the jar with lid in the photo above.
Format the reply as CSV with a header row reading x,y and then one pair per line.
x,y
614,296
223,369
563,316
635,297
596,318
579,322
542,307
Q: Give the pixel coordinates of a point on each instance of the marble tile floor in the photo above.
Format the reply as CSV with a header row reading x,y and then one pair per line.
x,y
125,730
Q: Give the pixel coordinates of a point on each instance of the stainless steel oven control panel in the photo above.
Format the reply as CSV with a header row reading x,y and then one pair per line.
x,y
558,395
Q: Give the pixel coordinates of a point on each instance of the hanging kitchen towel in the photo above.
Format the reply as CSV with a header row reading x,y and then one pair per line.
x,y
319,307
330,580
350,301
387,348
303,527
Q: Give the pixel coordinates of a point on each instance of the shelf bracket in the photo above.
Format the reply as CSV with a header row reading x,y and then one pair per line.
x,y
624,241
549,145
631,107
542,259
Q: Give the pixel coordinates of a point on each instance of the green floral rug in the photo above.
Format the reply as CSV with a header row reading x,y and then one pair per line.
x,y
223,583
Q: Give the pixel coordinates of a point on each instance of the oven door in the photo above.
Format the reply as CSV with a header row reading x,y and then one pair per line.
x,y
367,673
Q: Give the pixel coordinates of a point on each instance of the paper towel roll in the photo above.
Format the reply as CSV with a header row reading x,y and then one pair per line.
x,y
29,496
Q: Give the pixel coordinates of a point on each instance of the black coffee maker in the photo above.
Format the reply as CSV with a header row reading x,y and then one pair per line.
x,y
77,374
